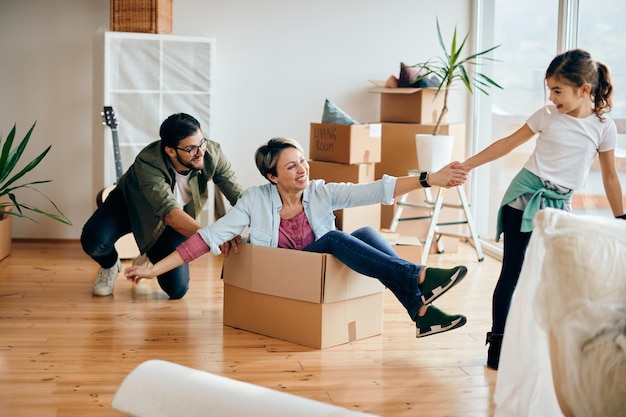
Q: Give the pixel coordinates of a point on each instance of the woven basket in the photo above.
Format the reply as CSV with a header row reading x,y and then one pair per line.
x,y
146,16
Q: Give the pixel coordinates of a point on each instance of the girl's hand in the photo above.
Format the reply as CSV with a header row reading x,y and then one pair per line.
x,y
449,176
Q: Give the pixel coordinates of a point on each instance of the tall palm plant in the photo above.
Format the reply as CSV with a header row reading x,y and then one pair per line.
x,y
452,67
9,158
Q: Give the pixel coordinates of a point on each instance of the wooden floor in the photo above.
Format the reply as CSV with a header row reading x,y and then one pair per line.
x,y
64,352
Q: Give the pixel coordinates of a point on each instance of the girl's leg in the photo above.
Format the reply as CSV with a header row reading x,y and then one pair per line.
x,y
515,244
175,282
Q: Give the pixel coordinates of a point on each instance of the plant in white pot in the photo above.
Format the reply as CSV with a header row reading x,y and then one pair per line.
x,y
10,184
447,70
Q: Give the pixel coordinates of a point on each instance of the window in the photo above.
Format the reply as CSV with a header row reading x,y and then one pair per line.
x,y
529,35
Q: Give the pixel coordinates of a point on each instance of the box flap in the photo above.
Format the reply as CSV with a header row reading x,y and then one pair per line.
x,y
408,240
298,275
397,90
342,283
275,271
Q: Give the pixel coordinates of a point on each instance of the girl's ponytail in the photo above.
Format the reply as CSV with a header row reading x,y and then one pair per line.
x,y
603,93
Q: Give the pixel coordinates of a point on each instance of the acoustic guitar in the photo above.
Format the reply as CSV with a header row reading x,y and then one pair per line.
x,y
126,246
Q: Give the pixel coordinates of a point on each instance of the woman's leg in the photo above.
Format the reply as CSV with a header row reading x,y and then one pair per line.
x,y
175,283
400,276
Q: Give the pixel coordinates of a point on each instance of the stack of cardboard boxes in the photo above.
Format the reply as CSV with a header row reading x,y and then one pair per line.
x,y
405,112
351,153
347,153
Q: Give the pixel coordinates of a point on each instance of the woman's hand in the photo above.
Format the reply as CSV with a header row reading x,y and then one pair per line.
x,y
231,245
452,175
137,273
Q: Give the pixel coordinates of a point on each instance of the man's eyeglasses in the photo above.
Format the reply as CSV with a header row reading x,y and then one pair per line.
x,y
194,151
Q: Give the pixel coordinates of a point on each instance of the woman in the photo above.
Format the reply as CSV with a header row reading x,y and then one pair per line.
x,y
295,213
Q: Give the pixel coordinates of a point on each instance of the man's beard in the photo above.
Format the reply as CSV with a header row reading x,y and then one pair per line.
x,y
190,165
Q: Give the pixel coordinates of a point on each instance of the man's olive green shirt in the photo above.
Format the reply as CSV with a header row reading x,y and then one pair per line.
x,y
149,183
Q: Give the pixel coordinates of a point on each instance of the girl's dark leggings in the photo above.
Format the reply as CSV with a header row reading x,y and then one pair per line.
x,y
515,244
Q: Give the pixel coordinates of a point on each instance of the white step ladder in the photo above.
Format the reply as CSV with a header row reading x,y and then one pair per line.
x,y
434,230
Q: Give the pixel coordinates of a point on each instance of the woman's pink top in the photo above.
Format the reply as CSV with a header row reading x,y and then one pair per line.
x,y
294,233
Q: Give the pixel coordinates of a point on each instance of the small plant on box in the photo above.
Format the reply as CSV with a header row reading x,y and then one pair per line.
x,y
9,158
451,67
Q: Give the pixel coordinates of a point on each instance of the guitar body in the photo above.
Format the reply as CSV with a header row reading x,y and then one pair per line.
x,y
126,246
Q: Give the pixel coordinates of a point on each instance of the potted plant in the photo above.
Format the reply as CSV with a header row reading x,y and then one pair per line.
x,y
451,67
442,72
9,204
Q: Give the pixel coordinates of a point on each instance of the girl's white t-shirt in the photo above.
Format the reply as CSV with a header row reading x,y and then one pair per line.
x,y
566,145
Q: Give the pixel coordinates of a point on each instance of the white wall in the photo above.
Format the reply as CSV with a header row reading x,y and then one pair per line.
x,y
277,61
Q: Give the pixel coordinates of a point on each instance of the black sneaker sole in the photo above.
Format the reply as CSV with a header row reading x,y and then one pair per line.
x,y
435,330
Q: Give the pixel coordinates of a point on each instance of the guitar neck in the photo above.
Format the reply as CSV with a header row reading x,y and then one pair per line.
x,y
117,154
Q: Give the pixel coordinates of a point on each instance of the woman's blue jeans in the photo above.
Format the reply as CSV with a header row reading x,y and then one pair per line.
x,y
110,222
367,252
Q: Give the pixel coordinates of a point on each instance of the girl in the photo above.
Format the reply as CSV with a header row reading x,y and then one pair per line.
x,y
571,132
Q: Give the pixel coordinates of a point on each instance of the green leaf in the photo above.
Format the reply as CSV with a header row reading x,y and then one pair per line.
x,y
9,158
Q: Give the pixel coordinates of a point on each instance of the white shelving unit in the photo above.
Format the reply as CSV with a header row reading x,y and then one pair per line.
x,y
146,78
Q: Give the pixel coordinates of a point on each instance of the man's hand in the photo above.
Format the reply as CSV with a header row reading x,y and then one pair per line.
x,y
232,244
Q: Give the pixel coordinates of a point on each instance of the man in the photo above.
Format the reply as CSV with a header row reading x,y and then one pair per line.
x,y
158,199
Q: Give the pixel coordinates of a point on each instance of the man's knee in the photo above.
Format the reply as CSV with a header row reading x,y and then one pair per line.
x,y
177,293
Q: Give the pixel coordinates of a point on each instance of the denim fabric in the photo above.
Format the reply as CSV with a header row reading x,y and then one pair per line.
x,y
259,209
110,222
367,252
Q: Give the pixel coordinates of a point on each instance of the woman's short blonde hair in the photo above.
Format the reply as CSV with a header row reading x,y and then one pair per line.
x,y
266,156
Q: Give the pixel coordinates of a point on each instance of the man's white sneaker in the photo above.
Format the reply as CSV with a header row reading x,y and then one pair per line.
x,y
106,280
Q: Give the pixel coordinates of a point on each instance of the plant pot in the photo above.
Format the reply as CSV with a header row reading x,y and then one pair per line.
x,y
433,151
5,237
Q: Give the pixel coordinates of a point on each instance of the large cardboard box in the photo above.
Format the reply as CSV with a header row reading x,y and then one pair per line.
x,y
307,298
336,172
409,105
347,144
407,247
398,149
5,237
353,218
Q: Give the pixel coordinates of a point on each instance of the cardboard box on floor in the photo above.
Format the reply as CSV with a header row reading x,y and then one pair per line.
x,y
336,172
406,246
354,218
409,105
302,297
347,144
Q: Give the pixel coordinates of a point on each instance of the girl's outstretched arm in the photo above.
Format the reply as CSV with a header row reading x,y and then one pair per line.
x,y
498,148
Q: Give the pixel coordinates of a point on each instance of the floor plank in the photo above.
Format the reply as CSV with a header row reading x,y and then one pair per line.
x,y
64,352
